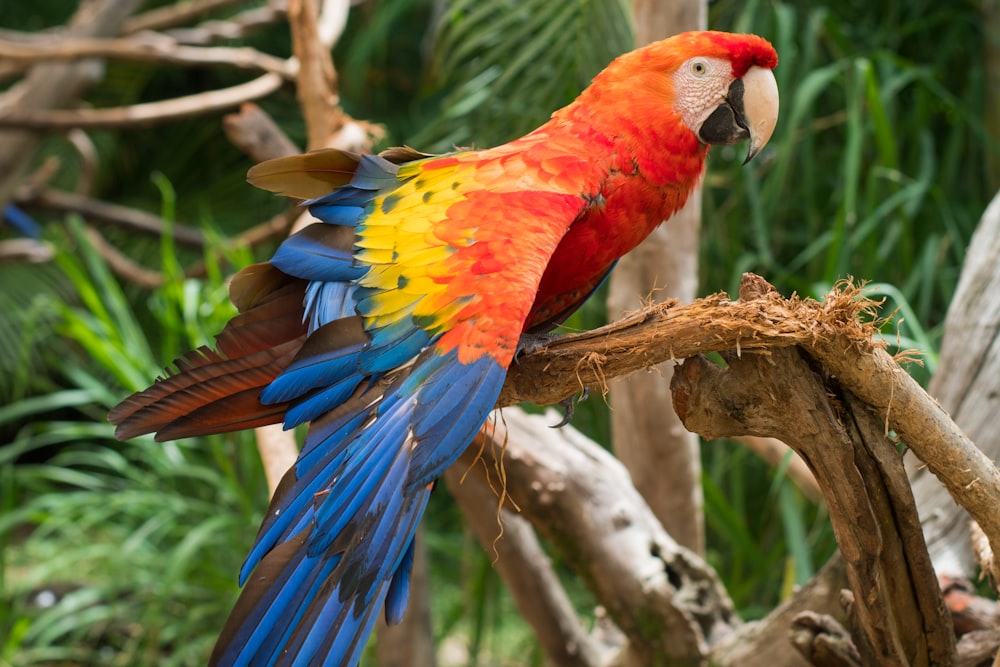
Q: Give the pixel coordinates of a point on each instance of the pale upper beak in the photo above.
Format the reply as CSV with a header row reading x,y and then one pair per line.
x,y
760,107
750,111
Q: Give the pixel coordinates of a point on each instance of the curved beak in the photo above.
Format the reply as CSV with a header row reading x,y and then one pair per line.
x,y
760,107
750,112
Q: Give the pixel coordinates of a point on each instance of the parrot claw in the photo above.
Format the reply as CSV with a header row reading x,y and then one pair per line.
x,y
532,342
569,405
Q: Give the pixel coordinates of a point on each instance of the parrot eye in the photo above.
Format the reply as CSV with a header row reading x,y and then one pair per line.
x,y
699,68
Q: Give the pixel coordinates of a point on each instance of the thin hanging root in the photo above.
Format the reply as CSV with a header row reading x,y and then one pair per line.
x,y
498,469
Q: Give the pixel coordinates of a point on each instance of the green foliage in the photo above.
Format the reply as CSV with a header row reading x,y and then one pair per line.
x,y
119,553
504,66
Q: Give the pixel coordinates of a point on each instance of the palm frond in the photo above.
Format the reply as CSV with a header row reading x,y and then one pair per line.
x,y
507,65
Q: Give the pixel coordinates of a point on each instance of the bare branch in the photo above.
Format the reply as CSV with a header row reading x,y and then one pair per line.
x,y
823,641
256,134
122,265
665,599
821,595
26,250
180,13
278,452
235,27
147,47
332,21
89,157
140,115
897,610
829,331
317,82
978,648
53,85
122,216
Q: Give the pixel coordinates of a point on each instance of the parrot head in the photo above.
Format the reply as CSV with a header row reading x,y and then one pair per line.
x,y
713,87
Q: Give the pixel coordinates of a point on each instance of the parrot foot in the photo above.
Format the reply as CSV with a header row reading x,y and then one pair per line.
x,y
532,342
569,405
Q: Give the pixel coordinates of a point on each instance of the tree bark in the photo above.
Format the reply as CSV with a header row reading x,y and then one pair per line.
x,y
665,599
897,613
767,643
661,455
965,385
526,570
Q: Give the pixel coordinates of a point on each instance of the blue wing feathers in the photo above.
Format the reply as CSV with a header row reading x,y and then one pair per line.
x,y
338,213
399,588
320,401
325,302
323,252
355,498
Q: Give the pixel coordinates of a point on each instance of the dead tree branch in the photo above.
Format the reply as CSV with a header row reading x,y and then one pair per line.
x,y
113,214
831,332
526,570
53,85
142,115
146,47
666,600
170,16
898,615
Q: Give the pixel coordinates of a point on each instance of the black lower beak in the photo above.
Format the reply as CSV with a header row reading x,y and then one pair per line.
x,y
727,124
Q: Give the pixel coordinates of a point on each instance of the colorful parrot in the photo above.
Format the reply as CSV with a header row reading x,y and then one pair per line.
x,y
390,324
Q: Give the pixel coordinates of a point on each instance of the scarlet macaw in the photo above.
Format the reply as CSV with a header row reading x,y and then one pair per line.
x,y
390,324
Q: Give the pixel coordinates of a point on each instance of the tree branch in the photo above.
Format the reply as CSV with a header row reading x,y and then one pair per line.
x,y
525,569
897,611
53,85
666,600
141,115
174,15
96,210
830,331
148,47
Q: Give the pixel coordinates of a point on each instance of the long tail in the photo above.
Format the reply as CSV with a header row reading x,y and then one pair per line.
x,y
213,391
336,544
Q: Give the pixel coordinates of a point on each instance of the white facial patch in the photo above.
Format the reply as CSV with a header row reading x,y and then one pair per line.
x,y
700,86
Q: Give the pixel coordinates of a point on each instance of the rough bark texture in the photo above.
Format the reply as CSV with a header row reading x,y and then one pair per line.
x,y
665,599
897,614
830,332
767,643
965,384
662,456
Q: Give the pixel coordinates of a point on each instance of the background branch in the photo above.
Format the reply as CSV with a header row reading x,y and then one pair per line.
x,y
141,115
525,569
53,85
146,47
667,601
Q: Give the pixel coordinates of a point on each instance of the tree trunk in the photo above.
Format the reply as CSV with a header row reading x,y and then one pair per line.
x,y
661,455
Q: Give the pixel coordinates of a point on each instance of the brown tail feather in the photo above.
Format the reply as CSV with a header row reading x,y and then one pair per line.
x,y
213,391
